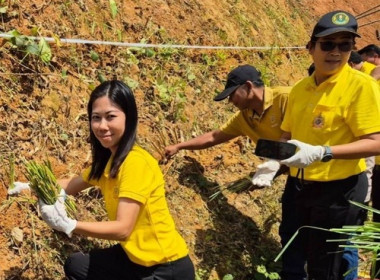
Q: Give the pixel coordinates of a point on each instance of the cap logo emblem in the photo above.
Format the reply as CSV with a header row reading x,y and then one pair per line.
x,y
340,19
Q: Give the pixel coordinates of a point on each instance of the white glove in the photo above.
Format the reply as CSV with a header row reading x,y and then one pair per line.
x,y
18,187
265,173
55,215
306,155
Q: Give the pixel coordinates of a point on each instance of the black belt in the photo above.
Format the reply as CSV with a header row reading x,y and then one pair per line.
x,y
307,182
303,183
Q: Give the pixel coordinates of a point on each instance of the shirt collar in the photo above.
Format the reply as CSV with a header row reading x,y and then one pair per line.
x,y
267,101
331,80
268,98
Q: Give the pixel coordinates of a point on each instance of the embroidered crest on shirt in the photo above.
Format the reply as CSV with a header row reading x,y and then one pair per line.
x,y
273,121
319,121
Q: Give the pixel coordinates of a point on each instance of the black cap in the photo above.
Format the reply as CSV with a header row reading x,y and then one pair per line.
x,y
236,78
334,22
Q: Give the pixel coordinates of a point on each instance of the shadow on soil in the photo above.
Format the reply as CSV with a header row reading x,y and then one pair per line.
x,y
236,245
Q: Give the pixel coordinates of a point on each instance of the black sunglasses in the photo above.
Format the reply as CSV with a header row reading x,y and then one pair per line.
x,y
327,46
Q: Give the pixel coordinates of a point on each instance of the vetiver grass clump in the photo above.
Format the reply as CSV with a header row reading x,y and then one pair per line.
x,y
43,182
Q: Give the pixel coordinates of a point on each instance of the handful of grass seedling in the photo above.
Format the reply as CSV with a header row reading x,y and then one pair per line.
x,y
43,182
364,237
240,185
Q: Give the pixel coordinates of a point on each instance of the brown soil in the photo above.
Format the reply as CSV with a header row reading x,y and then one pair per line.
x,y
43,116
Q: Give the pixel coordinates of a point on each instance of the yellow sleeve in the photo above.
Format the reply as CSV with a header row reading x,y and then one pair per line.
x,y
233,125
361,121
85,175
137,178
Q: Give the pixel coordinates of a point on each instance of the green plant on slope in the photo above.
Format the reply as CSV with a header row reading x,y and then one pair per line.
x,y
113,8
172,97
30,47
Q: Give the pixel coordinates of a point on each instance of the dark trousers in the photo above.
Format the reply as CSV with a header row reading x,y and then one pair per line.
x,y
113,264
375,197
325,205
294,258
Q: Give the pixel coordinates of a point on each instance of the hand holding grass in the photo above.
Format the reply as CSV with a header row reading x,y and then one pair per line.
x,y
55,215
43,182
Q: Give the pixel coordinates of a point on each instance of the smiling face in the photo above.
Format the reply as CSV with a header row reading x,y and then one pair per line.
x,y
328,63
107,123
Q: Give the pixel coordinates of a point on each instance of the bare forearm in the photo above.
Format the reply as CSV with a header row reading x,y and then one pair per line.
x,y
206,140
285,136
368,145
359,149
198,143
110,230
73,185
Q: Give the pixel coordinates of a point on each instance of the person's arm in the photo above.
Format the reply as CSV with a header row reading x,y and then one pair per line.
x,y
285,136
120,229
73,185
376,73
203,141
368,145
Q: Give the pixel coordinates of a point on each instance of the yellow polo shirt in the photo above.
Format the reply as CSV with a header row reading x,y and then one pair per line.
x,y
367,67
154,239
338,111
266,126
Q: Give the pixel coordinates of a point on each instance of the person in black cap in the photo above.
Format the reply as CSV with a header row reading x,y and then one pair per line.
x,y
357,62
333,117
261,111
371,53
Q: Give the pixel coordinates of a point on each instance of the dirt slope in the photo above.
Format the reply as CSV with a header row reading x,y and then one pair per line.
x,y
43,116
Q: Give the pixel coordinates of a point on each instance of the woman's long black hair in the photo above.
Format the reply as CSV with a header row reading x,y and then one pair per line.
x,y
122,96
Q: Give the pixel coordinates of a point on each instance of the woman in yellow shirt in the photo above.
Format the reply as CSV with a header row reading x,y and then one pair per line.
x,y
132,185
333,117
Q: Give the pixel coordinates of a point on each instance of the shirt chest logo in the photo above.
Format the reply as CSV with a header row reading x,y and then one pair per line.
x,y
319,121
273,121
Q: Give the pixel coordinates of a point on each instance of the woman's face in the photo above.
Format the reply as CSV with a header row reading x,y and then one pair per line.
x,y
329,62
107,123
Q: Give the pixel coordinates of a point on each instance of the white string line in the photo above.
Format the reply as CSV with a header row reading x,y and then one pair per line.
x,y
143,45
